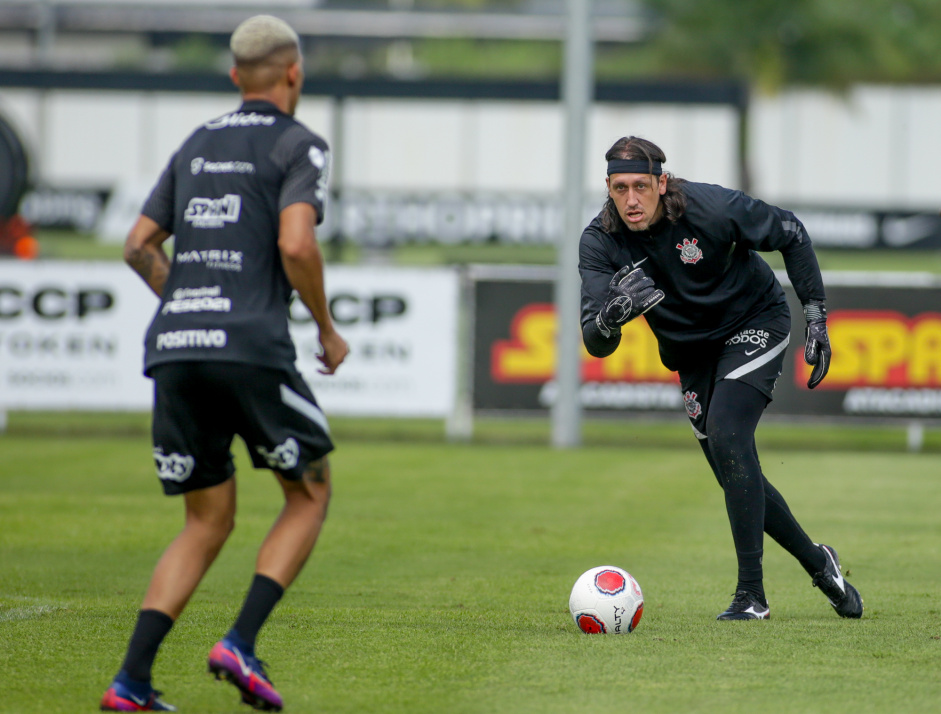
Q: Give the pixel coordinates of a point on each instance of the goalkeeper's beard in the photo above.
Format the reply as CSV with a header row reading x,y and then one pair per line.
x,y
645,222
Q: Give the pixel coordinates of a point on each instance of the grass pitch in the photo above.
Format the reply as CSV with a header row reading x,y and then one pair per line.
x,y
441,581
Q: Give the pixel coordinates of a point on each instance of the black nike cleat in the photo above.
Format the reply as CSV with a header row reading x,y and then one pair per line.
x,y
746,606
844,598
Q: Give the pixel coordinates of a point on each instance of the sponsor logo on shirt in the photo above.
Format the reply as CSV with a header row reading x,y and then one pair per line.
x,y
690,253
200,165
180,339
213,259
213,212
197,300
321,161
236,119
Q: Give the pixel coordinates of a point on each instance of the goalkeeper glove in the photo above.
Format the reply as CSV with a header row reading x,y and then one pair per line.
x,y
817,342
630,293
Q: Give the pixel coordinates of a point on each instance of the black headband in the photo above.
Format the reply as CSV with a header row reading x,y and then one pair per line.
x,y
634,166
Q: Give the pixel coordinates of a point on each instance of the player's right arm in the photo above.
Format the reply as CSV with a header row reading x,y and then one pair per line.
x,y
143,251
596,271
610,301
303,265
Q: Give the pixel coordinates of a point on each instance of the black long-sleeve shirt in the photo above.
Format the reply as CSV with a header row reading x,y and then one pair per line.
x,y
707,266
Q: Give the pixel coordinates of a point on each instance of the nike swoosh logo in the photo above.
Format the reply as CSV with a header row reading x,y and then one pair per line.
x,y
139,702
246,670
747,353
638,262
762,614
839,575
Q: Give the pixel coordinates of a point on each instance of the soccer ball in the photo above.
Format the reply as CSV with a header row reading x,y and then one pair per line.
x,y
606,600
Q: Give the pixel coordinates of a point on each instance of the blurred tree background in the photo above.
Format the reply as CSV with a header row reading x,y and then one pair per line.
x,y
770,43
773,43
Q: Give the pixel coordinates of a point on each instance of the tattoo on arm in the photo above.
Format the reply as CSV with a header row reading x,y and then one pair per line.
x,y
152,264
142,262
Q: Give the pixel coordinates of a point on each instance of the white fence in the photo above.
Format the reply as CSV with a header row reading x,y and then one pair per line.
x,y
110,139
873,147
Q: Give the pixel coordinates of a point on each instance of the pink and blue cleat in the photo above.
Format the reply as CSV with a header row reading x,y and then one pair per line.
x,y
124,696
246,672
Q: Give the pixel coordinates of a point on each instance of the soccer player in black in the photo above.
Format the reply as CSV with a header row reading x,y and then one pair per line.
x,y
684,255
242,196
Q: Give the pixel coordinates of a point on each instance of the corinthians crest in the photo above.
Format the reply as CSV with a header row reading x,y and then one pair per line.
x,y
693,407
689,251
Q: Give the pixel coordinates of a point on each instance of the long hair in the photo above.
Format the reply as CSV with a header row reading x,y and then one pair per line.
x,y
634,148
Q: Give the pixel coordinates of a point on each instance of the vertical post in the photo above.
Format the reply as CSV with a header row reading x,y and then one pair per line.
x,y
45,32
577,91
335,243
915,436
459,424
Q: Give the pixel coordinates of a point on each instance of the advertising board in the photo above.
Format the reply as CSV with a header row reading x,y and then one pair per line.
x,y
886,341
401,325
71,337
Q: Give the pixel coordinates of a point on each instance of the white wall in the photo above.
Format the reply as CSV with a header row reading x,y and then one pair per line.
x,y
108,138
874,147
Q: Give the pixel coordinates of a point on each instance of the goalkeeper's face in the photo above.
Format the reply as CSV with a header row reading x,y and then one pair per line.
x,y
637,197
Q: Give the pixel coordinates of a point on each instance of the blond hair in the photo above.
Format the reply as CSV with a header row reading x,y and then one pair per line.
x,y
262,38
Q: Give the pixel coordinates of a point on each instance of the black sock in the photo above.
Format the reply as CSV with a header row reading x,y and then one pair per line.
x,y
152,627
781,525
733,415
262,596
750,574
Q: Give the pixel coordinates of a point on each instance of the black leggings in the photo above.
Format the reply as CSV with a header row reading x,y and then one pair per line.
x,y
754,506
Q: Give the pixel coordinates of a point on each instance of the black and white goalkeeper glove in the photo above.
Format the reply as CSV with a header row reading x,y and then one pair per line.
x,y
817,342
630,293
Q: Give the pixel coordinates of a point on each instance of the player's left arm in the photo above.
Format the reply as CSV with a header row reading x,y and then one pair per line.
x,y
303,264
305,159
765,227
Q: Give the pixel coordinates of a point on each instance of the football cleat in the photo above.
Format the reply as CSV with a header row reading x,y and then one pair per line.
x,y
746,606
120,698
844,598
246,672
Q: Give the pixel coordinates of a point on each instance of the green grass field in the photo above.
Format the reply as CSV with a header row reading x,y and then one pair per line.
x,y
68,245
441,581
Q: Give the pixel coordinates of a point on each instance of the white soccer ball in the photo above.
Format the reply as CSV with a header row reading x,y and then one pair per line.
x,y
606,600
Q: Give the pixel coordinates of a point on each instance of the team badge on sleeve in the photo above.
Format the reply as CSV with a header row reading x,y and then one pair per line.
x,y
689,251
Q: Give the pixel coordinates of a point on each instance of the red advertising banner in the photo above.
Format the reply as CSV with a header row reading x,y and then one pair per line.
x,y
886,343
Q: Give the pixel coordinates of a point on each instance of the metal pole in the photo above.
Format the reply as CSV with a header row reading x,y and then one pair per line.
x,y
577,91
46,32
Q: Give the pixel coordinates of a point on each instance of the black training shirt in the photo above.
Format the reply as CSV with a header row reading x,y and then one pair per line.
x,y
706,265
227,295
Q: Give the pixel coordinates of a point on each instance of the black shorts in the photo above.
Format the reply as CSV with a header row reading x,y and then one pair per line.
x,y
753,355
200,406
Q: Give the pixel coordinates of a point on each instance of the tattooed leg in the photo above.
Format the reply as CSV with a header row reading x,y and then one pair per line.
x,y
293,535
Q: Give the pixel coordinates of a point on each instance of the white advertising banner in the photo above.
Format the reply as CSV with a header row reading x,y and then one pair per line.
x,y
71,337
401,325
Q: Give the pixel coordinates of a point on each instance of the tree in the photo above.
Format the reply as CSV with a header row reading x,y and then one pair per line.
x,y
773,43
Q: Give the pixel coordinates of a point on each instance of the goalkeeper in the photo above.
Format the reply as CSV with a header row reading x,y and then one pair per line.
x,y
684,255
